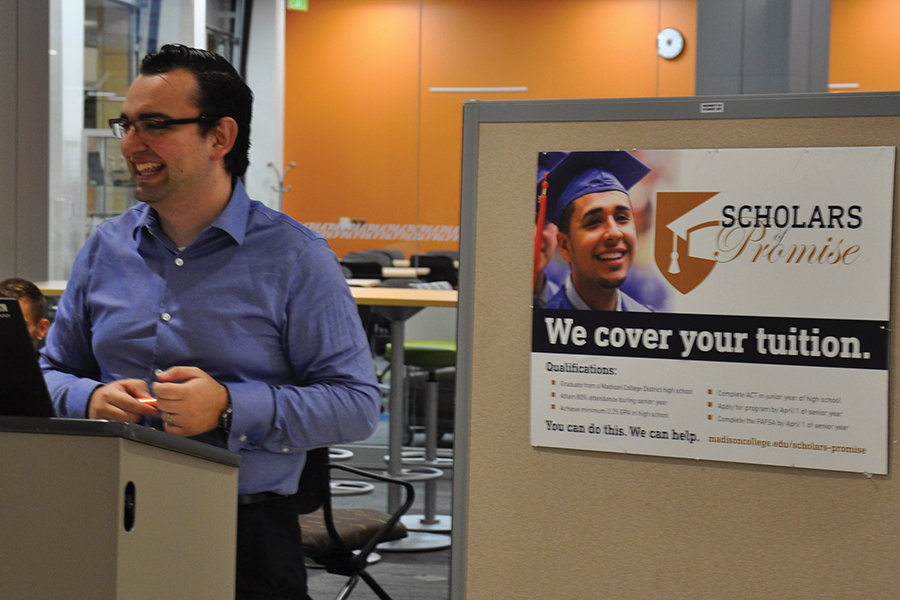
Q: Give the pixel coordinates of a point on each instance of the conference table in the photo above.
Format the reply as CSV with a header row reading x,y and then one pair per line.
x,y
397,305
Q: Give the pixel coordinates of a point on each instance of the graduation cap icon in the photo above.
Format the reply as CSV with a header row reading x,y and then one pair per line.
x,y
694,228
687,226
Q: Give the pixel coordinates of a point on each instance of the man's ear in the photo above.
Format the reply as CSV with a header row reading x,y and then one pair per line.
x,y
43,326
223,136
565,246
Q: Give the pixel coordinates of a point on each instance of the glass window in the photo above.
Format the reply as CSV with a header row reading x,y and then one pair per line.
x,y
224,29
113,42
99,45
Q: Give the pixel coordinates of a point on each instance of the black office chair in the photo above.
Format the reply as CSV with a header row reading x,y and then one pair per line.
x,y
361,268
367,264
342,539
451,254
391,253
369,256
442,267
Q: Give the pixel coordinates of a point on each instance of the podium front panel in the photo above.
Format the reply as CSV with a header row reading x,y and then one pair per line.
x,y
107,516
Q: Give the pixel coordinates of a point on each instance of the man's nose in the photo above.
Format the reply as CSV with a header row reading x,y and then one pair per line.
x,y
613,233
132,142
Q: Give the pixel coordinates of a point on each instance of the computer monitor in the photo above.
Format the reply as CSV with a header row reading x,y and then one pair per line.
x,y
23,392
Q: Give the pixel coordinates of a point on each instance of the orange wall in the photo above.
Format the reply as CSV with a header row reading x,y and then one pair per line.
x,y
865,48
371,140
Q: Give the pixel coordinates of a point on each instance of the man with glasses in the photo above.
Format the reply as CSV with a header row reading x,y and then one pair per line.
x,y
235,317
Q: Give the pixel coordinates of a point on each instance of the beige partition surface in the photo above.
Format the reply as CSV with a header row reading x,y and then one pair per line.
x,y
550,523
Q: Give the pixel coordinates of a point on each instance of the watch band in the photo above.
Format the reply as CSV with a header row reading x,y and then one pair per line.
x,y
225,417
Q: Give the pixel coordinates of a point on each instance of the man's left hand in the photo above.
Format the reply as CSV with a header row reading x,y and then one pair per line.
x,y
189,400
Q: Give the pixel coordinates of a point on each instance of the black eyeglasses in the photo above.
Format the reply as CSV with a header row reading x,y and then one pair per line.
x,y
149,129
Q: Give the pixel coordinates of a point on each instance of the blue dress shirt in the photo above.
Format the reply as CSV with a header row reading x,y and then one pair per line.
x,y
257,301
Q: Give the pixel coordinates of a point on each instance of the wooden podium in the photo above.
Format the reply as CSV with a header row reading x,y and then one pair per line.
x,y
103,510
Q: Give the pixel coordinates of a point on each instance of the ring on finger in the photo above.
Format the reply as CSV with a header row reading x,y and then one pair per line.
x,y
169,417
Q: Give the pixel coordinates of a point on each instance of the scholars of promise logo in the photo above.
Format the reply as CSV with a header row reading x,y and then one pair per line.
x,y
696,231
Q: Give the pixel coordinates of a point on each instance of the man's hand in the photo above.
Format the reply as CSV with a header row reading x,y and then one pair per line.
x,y
189,400
118,401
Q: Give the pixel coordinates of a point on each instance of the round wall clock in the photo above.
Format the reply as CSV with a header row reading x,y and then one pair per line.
x,y
669,43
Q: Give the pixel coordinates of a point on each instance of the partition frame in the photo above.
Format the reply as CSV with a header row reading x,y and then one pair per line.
x,y
552,119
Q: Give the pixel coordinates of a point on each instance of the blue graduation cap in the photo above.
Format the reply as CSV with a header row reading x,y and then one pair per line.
x,y
582,173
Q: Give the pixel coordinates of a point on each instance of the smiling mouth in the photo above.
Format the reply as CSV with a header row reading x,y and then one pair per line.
x,y
615,255
148,168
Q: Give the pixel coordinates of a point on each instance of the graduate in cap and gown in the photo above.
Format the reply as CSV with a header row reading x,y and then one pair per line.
x,y
587,198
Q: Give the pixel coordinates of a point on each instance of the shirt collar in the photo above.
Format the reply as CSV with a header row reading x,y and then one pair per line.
x,y
579,303
232,221
234,218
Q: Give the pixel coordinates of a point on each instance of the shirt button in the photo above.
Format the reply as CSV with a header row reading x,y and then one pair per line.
x,y
243,438
285,449
179,261
166,317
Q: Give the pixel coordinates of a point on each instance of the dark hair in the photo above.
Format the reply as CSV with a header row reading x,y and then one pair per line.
x,y
223,93
22,288
565,221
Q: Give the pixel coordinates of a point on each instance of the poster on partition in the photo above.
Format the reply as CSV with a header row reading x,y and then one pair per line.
x,y
721,304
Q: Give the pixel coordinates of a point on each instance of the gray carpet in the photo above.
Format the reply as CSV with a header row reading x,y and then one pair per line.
x,y
406,576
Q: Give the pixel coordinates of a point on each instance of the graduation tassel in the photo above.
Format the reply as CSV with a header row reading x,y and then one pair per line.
x,y
673,266
539,229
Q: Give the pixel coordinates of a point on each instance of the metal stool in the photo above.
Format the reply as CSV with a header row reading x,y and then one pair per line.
x,y
431,356
418,540
347,487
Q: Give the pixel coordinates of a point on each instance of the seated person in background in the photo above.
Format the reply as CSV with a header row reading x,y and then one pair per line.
x,y
234,316
587,197
33,303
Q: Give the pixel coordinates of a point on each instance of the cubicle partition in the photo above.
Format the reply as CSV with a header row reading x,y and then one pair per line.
x,y
539,512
